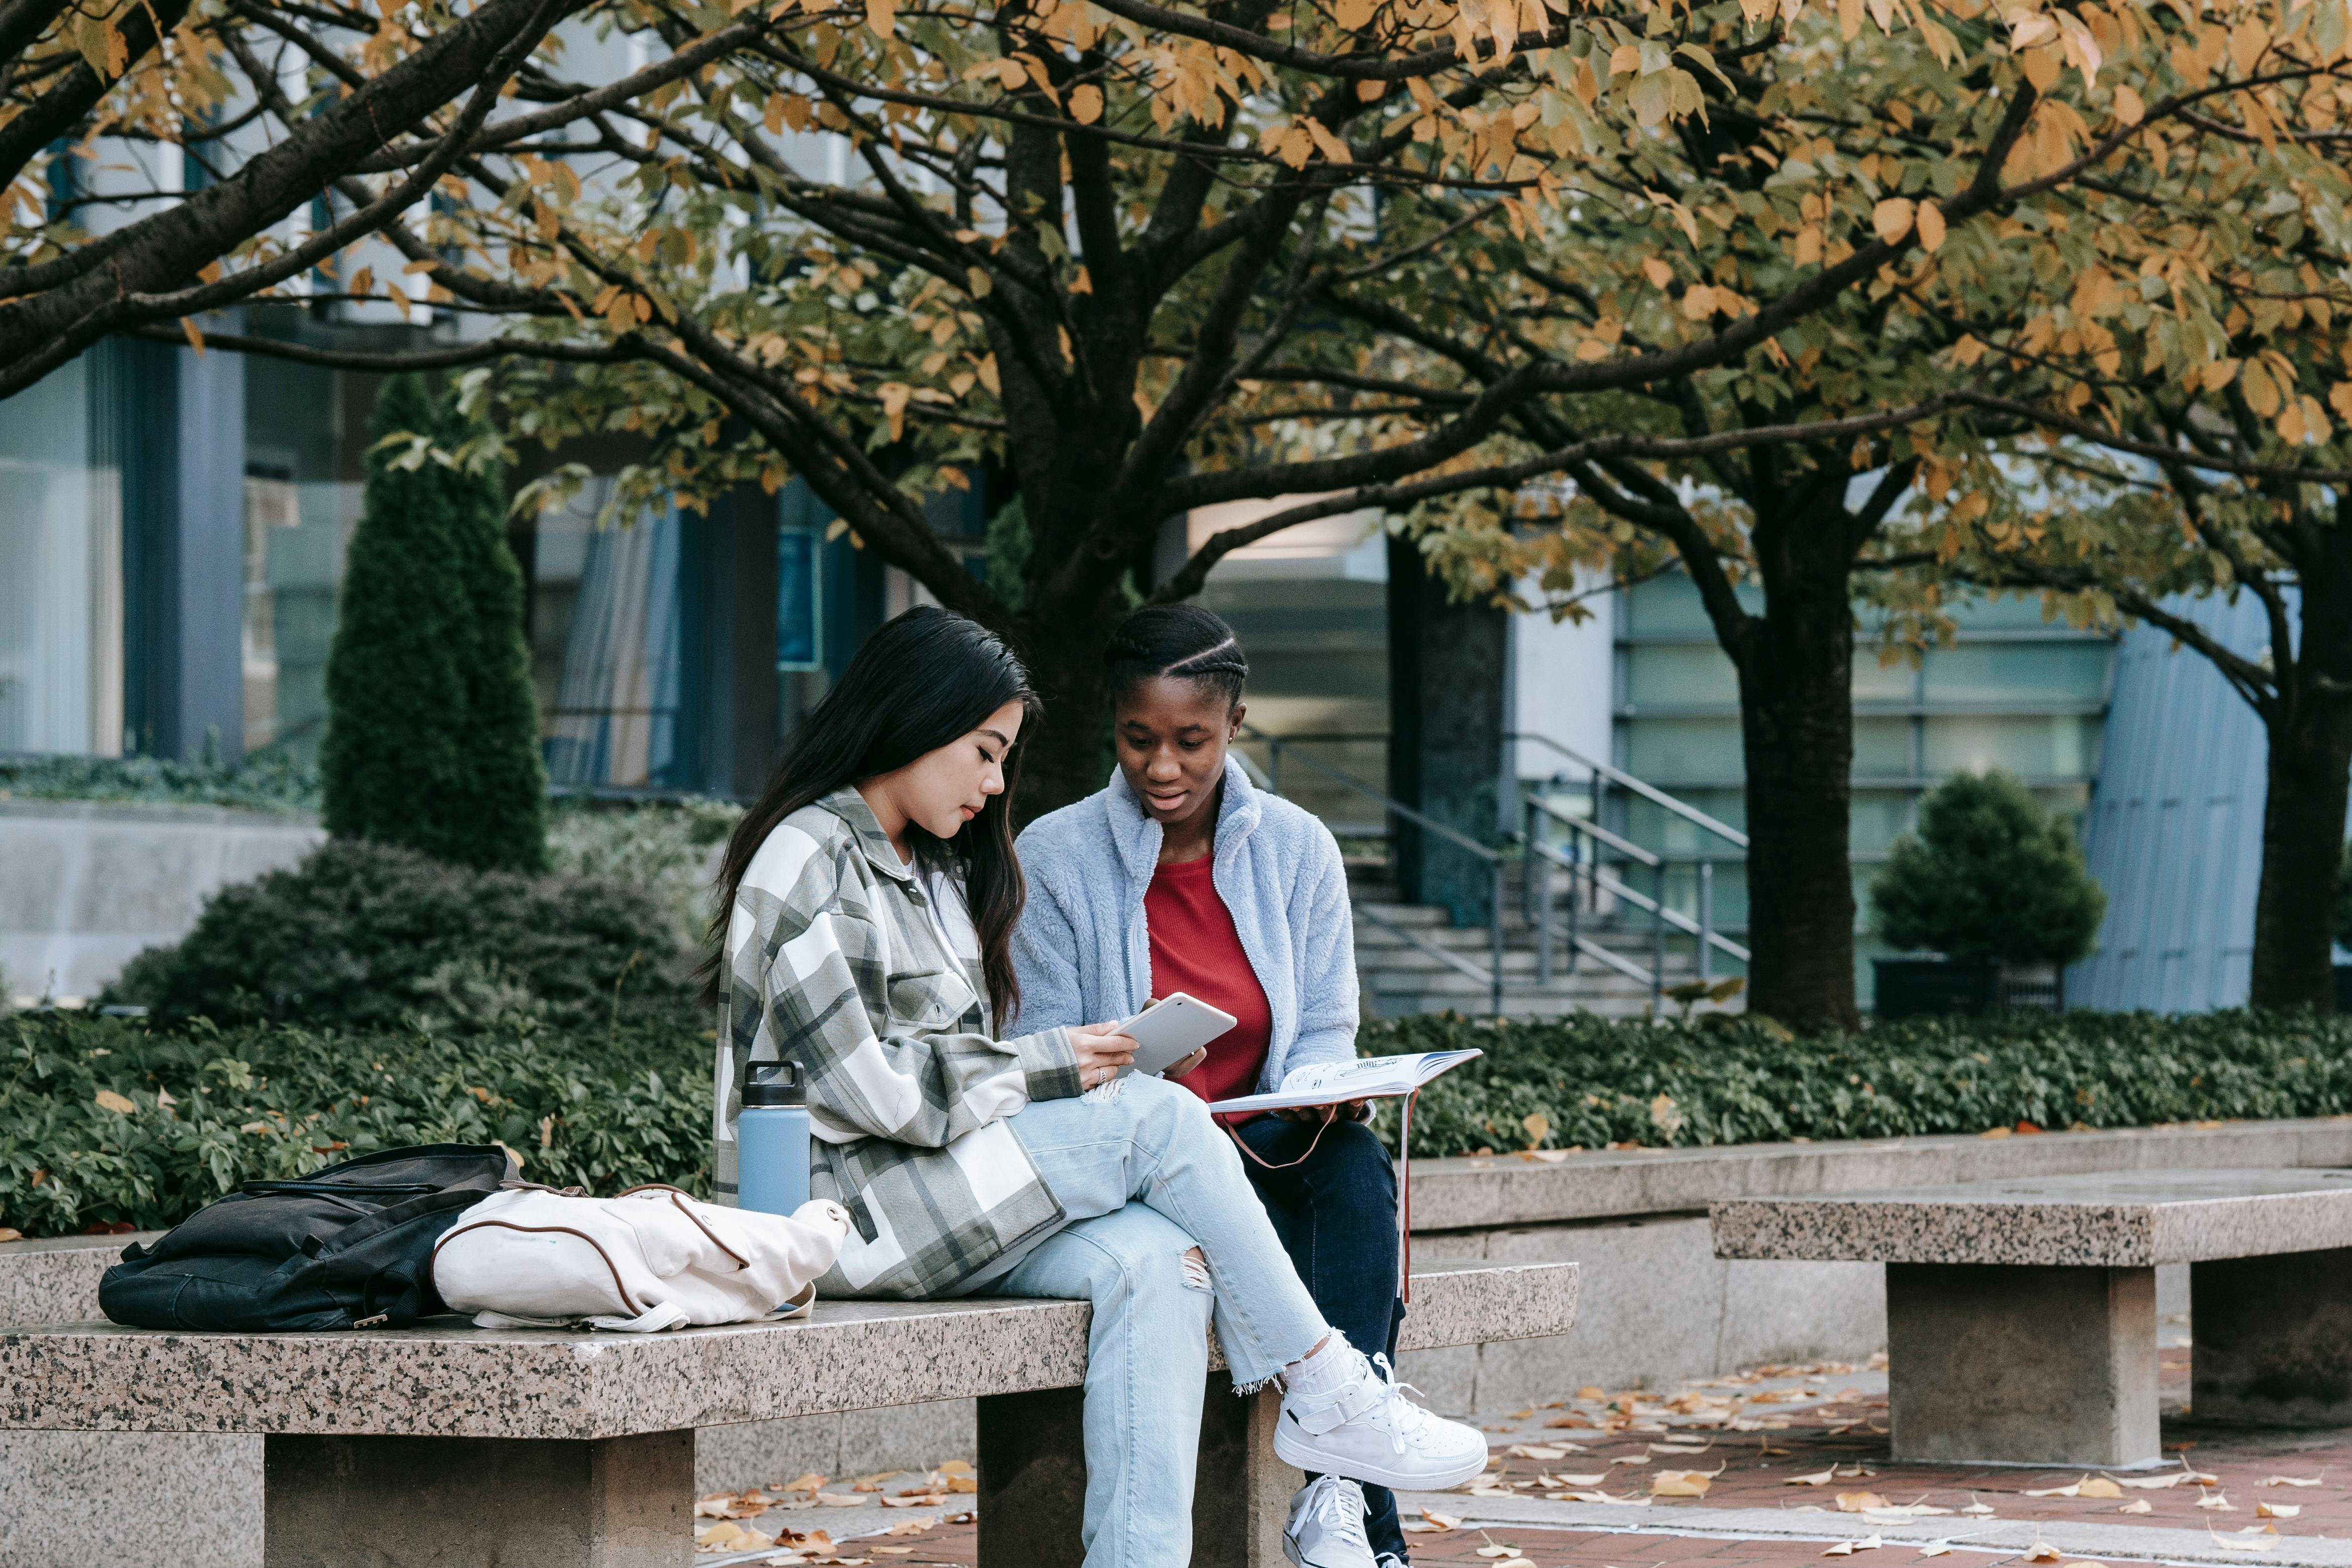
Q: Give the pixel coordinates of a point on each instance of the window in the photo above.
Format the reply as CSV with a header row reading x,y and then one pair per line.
x,y
800,606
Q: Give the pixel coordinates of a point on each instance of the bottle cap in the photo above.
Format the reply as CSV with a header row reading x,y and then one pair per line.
x,y
775,1084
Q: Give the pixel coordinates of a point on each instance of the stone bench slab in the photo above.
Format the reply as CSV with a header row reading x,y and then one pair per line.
x,y
2134,1220
464,1382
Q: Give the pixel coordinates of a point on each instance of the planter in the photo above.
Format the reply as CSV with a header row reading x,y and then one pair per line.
x,y
1935,988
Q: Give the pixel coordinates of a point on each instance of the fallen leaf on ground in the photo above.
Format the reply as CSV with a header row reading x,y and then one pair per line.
x,y
2099,1486
2072,1488
1937,1550
1896,1512
1538,1450
1855,1501
1975,1506
1496,1549
917,1500
1848,1548
1432,1523
2043,1551
839,1500
728,1536
2242,1543
1630,1460
1579,1480
1818,1478
2158,1483
1571,1419
807,1481
1680,1483
2218,1501
910,1527
2292,1481
2137,1505
2277,1510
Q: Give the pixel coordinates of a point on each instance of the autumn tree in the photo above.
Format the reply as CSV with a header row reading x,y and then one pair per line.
x,y
1835,501
2226,470
164,159
1153,258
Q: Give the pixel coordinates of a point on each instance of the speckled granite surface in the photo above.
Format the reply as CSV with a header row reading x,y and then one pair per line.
x,y
2119,1219
465,1381
1506,1190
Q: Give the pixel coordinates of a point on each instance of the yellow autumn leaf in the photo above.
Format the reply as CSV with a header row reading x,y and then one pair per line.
x,y
894,407
2261,393
2130,108
1931,225
2029,29
1086,103
988,378
1699,302
882,17
1892,218
1657,272
107,1100
2340,400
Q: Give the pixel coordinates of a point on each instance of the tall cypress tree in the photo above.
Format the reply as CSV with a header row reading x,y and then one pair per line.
x,y
433,728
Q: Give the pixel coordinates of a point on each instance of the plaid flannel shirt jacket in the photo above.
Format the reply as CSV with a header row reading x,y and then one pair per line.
x,y
835,961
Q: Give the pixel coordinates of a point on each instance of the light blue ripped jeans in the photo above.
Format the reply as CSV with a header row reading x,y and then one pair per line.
x,y
1145,1177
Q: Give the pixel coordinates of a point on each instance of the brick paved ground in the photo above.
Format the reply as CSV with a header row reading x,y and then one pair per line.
x,y
1754,1436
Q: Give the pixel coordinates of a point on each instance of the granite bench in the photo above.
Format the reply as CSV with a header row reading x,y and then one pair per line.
x,y
2021,1315
451,1445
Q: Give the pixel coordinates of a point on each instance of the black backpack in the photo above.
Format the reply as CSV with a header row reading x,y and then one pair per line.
x,y
347,1247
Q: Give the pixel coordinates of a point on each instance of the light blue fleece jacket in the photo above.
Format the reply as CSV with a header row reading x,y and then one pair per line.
x,y
1082,953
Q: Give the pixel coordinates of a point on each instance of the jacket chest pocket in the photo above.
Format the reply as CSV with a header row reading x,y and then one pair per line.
x,y
929,1000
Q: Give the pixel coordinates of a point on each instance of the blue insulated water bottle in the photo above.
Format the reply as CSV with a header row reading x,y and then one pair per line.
x,y
772,1137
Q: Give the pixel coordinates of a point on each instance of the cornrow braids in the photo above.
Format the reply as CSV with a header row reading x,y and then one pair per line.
x,y
1184,642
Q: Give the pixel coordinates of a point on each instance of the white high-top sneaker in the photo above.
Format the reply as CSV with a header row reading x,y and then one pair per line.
x,y
1327,1526
1345,1416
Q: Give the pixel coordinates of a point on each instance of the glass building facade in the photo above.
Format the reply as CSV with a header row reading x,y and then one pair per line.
x,y
2010,692
173,533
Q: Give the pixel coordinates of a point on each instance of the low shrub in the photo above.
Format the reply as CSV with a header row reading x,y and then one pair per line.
x,y
364,936
1727,1080
107,1121
1992,873
669,850
268,782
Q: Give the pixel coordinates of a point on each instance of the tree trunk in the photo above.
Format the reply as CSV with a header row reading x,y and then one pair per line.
x,y
1796,715
2303,815
1069,757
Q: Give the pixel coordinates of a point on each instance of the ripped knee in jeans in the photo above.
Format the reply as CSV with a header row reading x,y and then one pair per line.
x,y
1196,1270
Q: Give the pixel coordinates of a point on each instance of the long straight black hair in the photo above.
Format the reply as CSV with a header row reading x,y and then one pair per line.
x,y
927,679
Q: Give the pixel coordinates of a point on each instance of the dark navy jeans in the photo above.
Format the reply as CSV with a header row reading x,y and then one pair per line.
x,y
1336,1211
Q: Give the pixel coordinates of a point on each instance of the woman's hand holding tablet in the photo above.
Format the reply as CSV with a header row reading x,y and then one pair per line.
x,y
1171,1029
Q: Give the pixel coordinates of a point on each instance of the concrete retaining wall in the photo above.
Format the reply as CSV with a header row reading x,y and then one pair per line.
x,y
91,884
1656,1306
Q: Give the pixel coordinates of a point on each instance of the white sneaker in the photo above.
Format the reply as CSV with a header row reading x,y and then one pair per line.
x,y
1327,1526
1353,1420
1390,1559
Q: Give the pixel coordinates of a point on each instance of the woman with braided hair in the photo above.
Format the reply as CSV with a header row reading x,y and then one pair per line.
x,y
1179,875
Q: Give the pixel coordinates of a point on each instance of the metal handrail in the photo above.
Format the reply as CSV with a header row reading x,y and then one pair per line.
x,y
1625,847
1490,976
1649,792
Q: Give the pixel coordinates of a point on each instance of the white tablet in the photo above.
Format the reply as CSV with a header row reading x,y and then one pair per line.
x,y
1172,1029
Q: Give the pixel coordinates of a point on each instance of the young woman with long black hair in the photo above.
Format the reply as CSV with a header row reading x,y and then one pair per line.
x,y
1180,877
869,900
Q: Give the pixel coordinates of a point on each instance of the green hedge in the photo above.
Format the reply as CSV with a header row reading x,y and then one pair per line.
x,y
607,1107
604,1109
1595,1082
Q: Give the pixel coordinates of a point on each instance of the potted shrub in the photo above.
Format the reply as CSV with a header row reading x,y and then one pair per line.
x,y
1993,886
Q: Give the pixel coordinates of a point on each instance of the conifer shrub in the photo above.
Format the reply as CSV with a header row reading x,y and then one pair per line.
x,y
1989,875
433,728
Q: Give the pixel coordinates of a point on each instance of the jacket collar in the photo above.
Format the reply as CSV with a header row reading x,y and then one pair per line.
x,y
851,807
1138,836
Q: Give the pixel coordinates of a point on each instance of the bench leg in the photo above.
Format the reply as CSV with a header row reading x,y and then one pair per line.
x,y
1032,1480
2039,1365
2273,1340
459,1502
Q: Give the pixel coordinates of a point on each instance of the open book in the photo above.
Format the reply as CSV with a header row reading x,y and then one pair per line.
x,y
1333,1082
